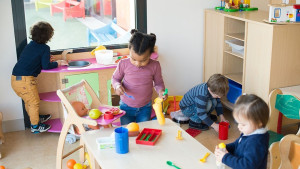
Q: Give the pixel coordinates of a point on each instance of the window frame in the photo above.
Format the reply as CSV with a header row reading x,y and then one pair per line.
x,y
21,36
18,13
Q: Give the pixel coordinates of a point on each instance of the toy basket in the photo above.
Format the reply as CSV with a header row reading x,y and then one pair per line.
x,y
171,104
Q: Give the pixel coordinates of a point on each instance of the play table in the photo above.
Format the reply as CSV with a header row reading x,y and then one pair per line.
x,y
184,153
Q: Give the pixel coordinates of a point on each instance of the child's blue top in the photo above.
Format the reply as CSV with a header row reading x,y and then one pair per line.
x,y
199,96
33,59
248,151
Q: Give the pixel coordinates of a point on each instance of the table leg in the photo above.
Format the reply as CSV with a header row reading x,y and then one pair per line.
x,y
94,164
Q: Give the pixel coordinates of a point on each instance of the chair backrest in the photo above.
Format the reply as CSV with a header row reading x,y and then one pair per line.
x,y
282,105
289,148
286,153
75,92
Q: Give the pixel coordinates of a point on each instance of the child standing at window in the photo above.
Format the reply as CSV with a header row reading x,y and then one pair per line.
x,y
250,150
136,77
34,58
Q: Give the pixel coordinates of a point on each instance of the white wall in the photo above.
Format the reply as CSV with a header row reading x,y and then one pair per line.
x,y
179,27
10,103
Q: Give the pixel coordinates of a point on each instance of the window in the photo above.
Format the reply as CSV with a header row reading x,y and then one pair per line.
x,y
277,12
85,24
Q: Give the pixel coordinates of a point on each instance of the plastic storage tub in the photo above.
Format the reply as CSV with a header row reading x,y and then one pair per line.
x,y
237,46
235,90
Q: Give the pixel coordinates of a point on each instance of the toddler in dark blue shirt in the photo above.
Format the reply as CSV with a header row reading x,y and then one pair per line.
x,y
250,150
34,58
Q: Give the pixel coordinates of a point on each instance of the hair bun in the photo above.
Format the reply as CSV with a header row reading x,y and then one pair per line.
x,y
133,31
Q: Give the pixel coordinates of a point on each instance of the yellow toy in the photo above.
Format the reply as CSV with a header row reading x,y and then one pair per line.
x,y
157,106
98,48
203,160
179,135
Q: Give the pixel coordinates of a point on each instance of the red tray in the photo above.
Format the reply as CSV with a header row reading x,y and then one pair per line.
x,y
148,136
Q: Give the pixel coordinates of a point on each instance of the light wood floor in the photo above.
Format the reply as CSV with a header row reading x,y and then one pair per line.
x,y
23,149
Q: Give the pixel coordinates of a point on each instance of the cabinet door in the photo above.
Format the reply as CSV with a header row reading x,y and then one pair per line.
x,y
91,78
258,59
213,44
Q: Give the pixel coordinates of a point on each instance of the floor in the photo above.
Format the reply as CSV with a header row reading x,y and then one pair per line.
x,y
23,149
38,151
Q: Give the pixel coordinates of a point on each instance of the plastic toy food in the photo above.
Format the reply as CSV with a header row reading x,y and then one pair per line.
x,y
115,110
157,106
71,163
78,166
133,129
95,113
2,167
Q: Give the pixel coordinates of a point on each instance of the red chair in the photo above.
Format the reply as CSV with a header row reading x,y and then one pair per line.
x,y
69,8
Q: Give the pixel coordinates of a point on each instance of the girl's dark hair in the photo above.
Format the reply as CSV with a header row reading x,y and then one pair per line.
x,y
41,32
253,108
141,42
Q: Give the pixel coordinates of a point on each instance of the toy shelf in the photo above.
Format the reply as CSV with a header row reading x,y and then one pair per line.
x,y
234,54
56,125
237,77
238,36
49,97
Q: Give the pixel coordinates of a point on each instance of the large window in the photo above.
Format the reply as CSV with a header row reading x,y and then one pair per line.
x,y
84,23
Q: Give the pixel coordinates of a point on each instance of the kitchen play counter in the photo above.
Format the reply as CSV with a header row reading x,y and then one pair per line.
x,y
49,81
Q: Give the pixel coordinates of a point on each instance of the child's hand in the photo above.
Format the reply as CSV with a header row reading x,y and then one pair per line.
x,y
219,153
51,58
162,96
62,62
120,90
215,126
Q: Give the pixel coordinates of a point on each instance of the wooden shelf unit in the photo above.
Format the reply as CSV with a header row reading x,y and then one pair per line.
x,y
271,54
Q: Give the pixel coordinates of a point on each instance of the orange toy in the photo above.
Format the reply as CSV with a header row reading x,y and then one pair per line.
x,y
71,163
2,167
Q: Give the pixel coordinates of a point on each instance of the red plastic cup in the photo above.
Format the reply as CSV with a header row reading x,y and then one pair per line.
x,y
223,130
108,115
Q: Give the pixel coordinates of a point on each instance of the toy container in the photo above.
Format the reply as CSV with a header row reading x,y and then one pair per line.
x,y
235,90
104,57
237,46
105,142
148,136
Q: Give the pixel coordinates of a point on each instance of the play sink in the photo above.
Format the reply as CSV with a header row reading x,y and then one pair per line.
x,y
79,63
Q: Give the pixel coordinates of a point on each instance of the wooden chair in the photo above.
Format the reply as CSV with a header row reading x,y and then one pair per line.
x,y
74,93
286,153
283,108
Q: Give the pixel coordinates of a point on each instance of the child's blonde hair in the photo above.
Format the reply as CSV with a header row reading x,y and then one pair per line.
x,y
218,84
253,108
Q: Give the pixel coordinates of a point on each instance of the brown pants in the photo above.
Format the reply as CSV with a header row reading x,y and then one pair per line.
x,y
25,87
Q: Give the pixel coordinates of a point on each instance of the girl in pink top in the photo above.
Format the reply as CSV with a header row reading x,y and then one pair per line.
x,y
135,77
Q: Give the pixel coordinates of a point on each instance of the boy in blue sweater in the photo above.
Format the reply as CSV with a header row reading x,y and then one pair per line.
x,y
201,100
250,150
34,58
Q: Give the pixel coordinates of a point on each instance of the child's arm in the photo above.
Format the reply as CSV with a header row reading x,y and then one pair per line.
x,y
118,77
159,84
46,64
252,157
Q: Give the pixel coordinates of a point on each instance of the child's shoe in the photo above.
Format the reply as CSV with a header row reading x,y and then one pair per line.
x,y
44,118
39,128
198,126
213,117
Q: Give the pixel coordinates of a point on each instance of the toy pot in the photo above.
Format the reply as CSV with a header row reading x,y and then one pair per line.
x,y
223,130
108,115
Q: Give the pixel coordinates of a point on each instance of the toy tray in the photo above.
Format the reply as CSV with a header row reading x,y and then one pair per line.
x,y
148,136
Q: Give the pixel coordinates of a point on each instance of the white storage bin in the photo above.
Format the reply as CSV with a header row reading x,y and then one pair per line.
x,y
105,142
237,46
104,57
